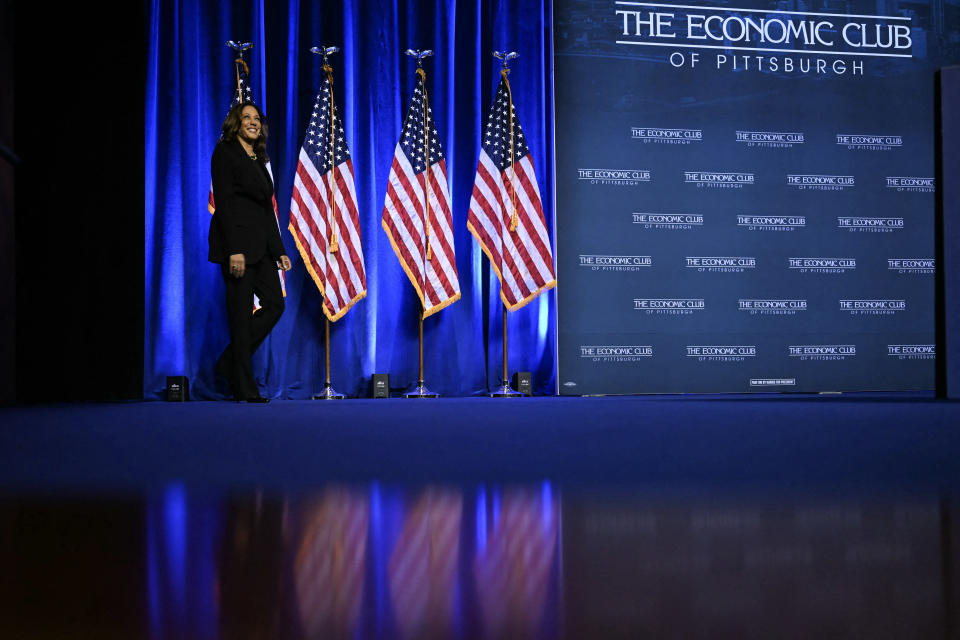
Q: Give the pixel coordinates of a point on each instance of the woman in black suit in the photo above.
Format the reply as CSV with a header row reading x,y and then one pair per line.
x,y
245,241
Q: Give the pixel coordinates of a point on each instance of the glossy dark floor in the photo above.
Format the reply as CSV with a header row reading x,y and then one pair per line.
x,y
467,518
374,561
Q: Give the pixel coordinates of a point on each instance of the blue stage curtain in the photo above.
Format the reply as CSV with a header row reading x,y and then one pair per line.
x,y
189,87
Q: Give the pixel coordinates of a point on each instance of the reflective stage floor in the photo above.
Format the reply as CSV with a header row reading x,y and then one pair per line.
x,y
719,517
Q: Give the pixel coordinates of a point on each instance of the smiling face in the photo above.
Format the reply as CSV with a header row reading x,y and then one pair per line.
x,y
249,124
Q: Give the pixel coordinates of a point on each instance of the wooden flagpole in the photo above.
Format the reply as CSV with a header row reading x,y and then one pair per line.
x,y
504,390
328,392
240,47
420,390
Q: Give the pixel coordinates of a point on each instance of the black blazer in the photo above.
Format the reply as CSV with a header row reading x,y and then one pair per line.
x,y
244,221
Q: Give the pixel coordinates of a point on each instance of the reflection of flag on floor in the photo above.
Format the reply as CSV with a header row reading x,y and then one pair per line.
x,y
330,564
417,191
244,93
506,214
328,236
423,566
513,573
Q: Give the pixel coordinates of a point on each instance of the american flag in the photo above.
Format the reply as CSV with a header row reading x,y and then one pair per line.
x,y
506,214
425,249
242,94
328,237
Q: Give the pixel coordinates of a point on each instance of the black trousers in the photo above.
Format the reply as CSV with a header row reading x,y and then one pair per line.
x,y
248,328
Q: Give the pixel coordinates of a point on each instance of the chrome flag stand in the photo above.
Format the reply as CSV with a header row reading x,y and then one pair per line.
x,y
328,392
420,389
505,390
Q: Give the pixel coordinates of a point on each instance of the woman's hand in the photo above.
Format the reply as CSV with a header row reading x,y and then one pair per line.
x,y
285,263
238,265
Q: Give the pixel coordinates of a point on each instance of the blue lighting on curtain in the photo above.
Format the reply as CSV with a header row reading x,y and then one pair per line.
x,y
189,86
260,53
292,64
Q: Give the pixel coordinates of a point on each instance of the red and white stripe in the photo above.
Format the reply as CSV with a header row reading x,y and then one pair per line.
x,y
513,574
340,276
435,279
276,216
330,564
522,258
211,205
423,566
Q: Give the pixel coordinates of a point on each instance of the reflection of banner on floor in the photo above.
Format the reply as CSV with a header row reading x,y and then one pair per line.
x,y
330,563
513,572
423,566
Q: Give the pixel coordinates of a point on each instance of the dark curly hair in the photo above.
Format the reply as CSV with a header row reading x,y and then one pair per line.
x,y
231,128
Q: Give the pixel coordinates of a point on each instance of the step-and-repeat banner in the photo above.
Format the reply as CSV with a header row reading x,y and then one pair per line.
x,y
745,196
